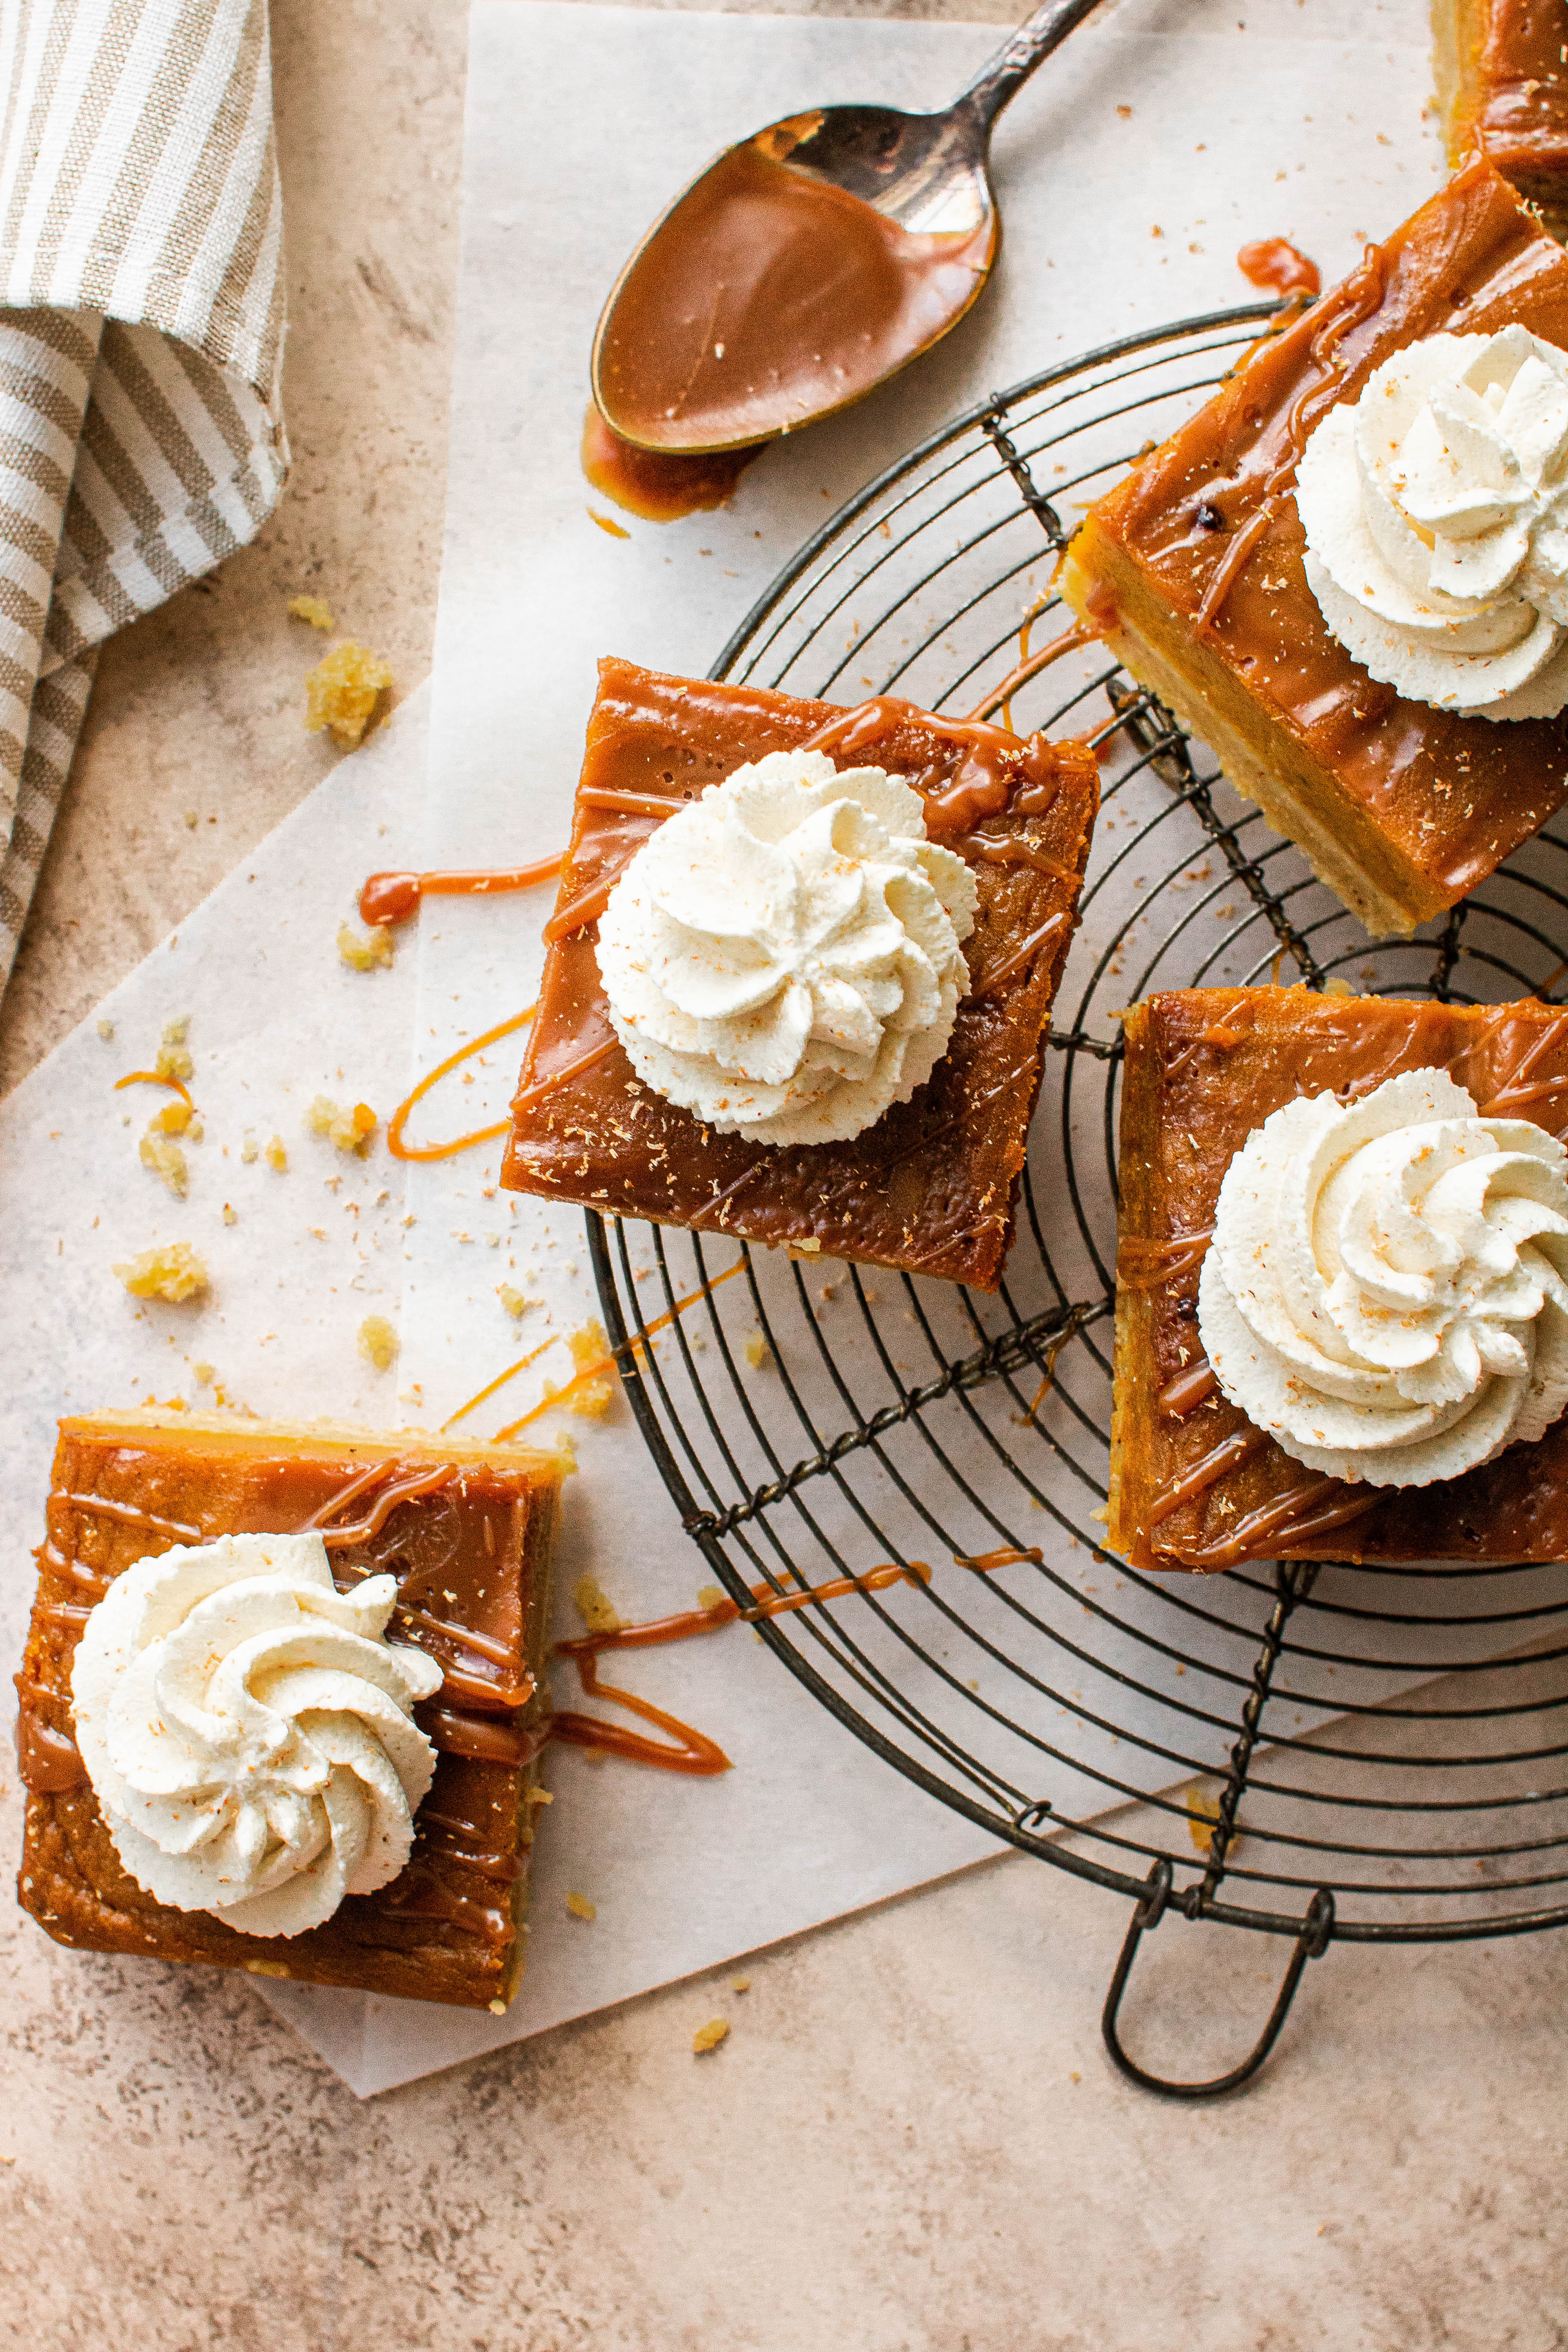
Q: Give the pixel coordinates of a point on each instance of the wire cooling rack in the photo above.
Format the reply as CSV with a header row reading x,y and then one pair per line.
x,y
1320,1753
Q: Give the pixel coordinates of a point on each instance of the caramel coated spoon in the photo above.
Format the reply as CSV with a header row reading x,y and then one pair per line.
x,y
809,264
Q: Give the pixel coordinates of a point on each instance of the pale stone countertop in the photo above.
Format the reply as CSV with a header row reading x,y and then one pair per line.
x,y
912,2140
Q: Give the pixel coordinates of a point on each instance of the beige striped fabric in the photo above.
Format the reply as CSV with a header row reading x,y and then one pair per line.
x,y
141,344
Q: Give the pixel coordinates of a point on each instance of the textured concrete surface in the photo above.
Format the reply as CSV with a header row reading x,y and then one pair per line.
x,y
911,2141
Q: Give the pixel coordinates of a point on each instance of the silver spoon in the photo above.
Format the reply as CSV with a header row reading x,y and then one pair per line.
x,y
662,342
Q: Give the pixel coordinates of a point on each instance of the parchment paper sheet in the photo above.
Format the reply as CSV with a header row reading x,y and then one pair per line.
x,y
1229,136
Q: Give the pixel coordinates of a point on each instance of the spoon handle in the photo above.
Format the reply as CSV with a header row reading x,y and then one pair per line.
x,y
1015,60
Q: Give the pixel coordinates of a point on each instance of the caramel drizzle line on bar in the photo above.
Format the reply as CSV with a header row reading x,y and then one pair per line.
x,y
1286,1521
1188,1390
1354,302
1149,1265
1023,955
577,1068
395,1124
131,1514
1224,1035
1513,1093
1228,1455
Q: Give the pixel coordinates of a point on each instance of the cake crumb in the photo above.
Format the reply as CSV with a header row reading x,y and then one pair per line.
x,y
314,609
593,1605
538,1796
740,1984
202,1375
173,1120
377,1342
1203,1819
812,1248
364,954
106,1029
171,1271
708,2037
581,1908
341,693
192,820
591,1387
516,1302
758,1352
166,1161
277,1158
712,1596
230,1213
249,1151
350,1128
498,2009
265,1968
173,1060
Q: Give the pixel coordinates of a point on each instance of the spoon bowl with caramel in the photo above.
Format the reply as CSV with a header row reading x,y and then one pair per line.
x,y
809,264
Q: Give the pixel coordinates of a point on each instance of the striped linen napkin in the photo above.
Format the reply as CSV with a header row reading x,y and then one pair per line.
x,y
141,344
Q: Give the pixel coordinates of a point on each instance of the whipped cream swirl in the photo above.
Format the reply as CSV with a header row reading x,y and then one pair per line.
x,y
784,957
1435,510
1386,1291
247,1729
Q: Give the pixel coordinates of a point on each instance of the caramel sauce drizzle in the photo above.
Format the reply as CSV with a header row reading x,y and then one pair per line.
x,y
1188,1390
399,1120
1355,300
1279,266
1023,955
1149,1265
1228,1455
1515,1093
1030,666
155,1078
392,898
131,1514
1223,1035
1289,1520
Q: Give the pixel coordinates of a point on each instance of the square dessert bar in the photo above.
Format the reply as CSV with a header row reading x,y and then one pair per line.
x,y
1193,1483
469,1543
930,1187
1191,571
1502,86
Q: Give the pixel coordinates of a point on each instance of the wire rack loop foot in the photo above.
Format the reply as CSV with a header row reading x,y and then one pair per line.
x,y
1317,1932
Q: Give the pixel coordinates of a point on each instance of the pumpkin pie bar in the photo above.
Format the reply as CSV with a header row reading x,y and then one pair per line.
x,y
1191,570
1194,1484
931,1186
466,1532
1502,86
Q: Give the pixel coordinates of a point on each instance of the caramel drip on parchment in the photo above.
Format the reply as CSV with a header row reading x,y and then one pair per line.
x,y
1030,666
1149,1265
399,1120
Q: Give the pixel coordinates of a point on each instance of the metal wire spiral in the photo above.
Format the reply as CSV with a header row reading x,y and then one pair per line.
x,y
1370,1754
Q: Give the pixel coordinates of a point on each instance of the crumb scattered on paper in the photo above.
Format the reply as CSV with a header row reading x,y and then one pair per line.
x,y
758,1351
173,1120
249,1149
341,693
166,1161
275,1157
593,1605
202,1375
314,609
740,1984
1203,1818
106,1028
171,1271
349,1127
174,1056
378,1342
230,1213
516,1302
711,1596
592,1386
708,2037
364,954
581,1908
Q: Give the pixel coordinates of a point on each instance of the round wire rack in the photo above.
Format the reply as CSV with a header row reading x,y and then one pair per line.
x,y
1318,1752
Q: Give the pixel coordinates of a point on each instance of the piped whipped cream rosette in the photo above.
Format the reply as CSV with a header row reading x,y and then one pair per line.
x,y
1436,510
248,1730
784,958
1386,1290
